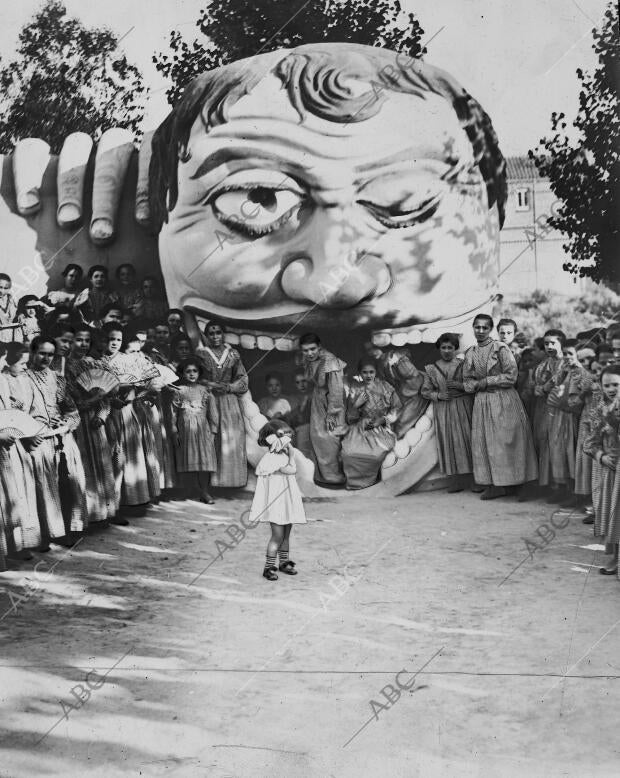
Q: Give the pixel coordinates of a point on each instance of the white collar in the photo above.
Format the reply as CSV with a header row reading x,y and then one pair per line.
x,y
219,361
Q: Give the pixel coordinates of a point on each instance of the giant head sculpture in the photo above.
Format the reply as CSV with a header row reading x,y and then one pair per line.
x,y
338,188
329,187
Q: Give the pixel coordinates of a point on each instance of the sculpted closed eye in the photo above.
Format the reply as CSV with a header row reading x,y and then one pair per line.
x,y
255,210
404,213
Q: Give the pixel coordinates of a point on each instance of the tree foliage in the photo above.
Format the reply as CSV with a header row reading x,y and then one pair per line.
x,y
235,29
585,171
66,78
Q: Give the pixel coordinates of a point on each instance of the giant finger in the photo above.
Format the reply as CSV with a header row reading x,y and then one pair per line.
x,y
111,163
72,164
30,159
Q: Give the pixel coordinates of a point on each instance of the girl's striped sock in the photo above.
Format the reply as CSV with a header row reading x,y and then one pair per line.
x,y
270,561
283,556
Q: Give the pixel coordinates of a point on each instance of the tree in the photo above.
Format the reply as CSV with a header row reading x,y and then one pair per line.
x,y
66,78
585,171
236,29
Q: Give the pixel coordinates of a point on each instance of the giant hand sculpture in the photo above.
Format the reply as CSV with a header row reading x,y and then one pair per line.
x,y
334,187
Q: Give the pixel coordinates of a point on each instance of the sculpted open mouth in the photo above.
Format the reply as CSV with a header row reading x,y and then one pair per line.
x,y
263,350
246,335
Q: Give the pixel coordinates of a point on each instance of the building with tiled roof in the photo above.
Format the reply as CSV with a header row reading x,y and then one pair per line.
x,y
531,253
521,169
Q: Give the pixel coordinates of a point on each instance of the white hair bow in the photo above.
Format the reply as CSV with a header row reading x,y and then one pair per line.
x,y
277,444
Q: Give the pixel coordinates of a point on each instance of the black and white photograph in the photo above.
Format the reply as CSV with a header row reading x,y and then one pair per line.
x,y
348,267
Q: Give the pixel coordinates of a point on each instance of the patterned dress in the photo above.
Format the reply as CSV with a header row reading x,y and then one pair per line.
x,y
589,392
325,375
101,498
59,472
452,416
363,449
150,421
8,311
396,367
544,381
125,435
603,439
227,367
19,525
128,297
564,407
195,417
161,421
501,439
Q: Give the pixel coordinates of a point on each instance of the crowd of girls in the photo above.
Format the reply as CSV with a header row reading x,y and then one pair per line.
x,y
534,421
539,422
124,410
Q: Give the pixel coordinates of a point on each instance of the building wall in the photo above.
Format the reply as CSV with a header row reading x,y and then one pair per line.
x,y
531,254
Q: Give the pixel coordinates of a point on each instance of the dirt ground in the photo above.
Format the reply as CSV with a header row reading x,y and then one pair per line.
x,y
159,650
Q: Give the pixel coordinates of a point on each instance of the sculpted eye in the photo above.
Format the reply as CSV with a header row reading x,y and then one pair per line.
x,y
402,214
256,210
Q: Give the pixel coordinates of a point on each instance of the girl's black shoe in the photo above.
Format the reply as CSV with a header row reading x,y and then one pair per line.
x,y
270,574
288,567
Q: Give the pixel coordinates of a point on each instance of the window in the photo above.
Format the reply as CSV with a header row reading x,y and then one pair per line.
x,y
523,199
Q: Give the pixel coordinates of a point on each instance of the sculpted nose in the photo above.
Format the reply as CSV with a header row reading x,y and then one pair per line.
x,y
331,268
335,284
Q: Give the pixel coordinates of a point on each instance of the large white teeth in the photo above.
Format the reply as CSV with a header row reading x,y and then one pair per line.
x,y
251,339
247,341
381,339
403,447
285,344
430,336
429,333
260,340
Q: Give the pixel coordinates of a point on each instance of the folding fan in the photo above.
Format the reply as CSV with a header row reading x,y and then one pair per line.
x,y
167,375
129,378
92,378
20,424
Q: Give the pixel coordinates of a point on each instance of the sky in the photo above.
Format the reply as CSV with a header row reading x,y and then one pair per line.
x,y
518,59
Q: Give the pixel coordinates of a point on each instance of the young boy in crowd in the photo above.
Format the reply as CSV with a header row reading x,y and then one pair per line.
x,y
112,312
506,330
604,355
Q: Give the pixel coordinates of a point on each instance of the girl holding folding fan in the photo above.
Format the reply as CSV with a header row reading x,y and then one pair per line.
x,y
91,386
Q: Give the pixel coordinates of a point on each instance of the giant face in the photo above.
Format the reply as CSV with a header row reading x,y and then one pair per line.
x,y
330,188
337,188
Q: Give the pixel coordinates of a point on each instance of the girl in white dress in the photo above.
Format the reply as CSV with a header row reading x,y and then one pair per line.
x,y
277,498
